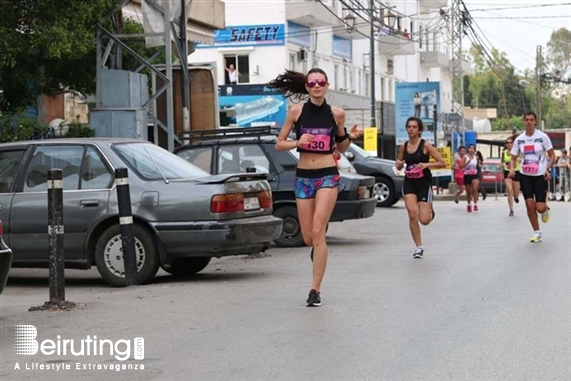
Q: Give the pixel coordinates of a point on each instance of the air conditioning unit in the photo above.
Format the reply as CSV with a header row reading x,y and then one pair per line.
x,y
303,55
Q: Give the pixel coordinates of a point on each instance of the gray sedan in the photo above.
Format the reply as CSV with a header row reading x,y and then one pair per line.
x,y
182,215
388,181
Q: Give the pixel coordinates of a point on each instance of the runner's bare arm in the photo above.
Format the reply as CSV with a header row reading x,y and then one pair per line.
x,y
400,158
283,144
433,152
339,116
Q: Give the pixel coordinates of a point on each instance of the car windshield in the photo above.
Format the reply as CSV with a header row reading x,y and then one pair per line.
x,y
152,162
491,167
359,152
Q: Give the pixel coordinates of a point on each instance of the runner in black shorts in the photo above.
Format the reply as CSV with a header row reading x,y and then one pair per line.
x,y
538,158
512,184
320,131
417,187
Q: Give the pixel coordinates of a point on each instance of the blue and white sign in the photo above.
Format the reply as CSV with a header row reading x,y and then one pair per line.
x,y
251,106
418,99
342,47
298,34
248,35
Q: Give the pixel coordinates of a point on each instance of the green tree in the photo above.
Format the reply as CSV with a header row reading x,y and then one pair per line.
x,y
47,46
495,84
559,50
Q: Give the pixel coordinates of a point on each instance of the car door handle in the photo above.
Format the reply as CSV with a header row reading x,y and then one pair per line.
x,y
88,203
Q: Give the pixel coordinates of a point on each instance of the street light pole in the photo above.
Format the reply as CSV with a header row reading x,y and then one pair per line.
x,y
372,64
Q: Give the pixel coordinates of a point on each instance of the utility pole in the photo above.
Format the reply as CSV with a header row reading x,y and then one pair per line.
x,y
538,79
184,78
372,63
457,23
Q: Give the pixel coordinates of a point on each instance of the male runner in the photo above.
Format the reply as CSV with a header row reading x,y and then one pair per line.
x,y
535,172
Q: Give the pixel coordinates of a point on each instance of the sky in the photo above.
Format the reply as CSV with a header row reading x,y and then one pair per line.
x,y
518,37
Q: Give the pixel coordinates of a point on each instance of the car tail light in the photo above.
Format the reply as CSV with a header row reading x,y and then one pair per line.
x,y
227,203
1,228
265,198
363,192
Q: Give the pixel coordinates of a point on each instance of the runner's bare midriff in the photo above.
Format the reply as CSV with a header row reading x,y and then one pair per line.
x,y
309,160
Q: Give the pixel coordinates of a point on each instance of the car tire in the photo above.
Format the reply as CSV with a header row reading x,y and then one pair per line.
x,y
109,255
385,192
187,266
291,229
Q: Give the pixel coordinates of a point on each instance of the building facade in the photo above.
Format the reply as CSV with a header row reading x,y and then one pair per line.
x,y
262,38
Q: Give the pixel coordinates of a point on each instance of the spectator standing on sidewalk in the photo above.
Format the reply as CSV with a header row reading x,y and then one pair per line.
x,y
564,167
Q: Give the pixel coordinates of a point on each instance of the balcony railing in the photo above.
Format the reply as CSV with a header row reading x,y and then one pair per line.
x,y
310,13
434,55
432,4
394,42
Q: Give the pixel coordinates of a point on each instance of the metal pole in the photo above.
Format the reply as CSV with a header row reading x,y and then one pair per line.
x,y
372,61
538,97
184,69
126,222
169,90
55,236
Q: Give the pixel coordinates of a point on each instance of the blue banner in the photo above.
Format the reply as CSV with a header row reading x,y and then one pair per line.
x,y
248,35
298,34
418,99
250,106
342,47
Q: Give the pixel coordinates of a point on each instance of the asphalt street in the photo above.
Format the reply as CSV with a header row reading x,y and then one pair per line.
x,y
483,304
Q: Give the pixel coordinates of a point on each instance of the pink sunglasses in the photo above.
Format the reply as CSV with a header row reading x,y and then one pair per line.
x,y
314,83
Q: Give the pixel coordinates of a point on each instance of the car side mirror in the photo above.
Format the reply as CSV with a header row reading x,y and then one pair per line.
x,y
349,156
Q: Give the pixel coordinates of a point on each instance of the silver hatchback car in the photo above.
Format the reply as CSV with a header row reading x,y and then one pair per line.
x,y
182,215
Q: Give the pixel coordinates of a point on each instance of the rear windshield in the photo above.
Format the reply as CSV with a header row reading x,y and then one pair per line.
x,y
152,162
491,167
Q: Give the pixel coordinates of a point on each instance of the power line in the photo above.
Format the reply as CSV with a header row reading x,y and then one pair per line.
x,y
520,7
520,17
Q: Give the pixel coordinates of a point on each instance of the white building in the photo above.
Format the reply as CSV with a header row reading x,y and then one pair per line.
x,y
265,37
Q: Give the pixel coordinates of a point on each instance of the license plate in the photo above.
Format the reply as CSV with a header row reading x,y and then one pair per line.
x,y
251,203
489,177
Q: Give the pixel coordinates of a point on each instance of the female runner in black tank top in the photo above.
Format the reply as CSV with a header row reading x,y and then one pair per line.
x,y
319,130
417,186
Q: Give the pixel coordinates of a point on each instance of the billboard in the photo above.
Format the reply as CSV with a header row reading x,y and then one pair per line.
x,y
248,35
250,106
418,99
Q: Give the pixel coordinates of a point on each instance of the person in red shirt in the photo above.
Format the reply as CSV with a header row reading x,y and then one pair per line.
x,y
459,172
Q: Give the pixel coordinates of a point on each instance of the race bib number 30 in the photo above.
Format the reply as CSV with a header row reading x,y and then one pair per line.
x,y
321,141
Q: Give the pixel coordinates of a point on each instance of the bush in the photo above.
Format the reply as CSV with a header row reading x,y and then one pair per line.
x,y
15,128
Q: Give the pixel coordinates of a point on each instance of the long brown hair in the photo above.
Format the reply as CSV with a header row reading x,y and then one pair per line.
x,y
292,83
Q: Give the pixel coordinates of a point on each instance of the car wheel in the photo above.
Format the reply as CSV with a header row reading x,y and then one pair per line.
x,y
384,191
109,256
291,230
187,266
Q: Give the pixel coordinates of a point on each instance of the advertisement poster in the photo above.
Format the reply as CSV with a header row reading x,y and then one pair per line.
x,y
248,35
251,106
446,154
418,99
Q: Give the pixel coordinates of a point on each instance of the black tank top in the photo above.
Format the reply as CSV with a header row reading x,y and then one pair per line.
x,y
412,159
319,122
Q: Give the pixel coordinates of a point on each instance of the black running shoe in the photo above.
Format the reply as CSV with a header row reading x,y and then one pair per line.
x,y
314,299
418,252
311,255
516,199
